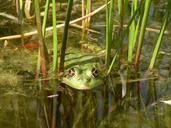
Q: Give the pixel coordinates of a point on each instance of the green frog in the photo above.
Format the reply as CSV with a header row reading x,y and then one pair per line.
x,y
82,70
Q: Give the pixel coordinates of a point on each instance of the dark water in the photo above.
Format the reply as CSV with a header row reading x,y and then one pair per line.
x,y
27,103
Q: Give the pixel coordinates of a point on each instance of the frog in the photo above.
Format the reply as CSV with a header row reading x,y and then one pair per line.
x,y
82,70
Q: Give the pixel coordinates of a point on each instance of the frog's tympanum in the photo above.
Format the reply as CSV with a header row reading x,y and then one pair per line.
x,y
81,71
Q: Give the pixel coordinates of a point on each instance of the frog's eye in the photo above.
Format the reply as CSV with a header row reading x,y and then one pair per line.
x,y
95,72
71,72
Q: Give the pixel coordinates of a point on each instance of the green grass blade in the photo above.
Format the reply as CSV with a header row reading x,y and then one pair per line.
x,y
45,17
88,9
112,63
64,41
142,31
158,43
120,7
55,40
132,34
109,30
111,13
43,50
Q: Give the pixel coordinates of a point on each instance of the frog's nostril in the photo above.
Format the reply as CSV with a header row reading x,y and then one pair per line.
x,y
87,80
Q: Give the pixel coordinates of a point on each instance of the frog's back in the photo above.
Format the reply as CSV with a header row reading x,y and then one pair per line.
x,y
79,57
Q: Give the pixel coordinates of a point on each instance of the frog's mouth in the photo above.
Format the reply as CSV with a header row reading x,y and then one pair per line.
x,y
83,87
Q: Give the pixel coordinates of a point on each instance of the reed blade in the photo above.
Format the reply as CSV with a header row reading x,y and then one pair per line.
x,y
43,50
158,43
109,30
142,31
64,40
55,40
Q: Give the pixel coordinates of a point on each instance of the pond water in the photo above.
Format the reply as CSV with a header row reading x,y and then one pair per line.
x,y
125,99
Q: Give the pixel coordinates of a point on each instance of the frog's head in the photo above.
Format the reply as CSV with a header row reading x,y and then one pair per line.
x,y
83,77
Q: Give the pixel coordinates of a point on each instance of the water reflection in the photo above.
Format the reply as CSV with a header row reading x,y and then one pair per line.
x,y
27,106
20,107
101,108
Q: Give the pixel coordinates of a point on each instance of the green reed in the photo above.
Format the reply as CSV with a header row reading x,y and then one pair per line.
x,y
142,31
139,18
88,10
55,40
64,40
43,50
121,13
107,37
19,6
120,34
43,33
133,31
55,62
45,17
112,63
158,42
19,9
83,14
109,30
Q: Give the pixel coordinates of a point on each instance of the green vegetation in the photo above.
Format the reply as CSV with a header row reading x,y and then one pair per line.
x,y
109,30
136,26
159,40
124,48
43,50
55,40
64,40
142,30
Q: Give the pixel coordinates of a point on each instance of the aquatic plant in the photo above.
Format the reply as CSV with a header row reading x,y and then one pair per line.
x,y
142,31
43,50
100,104
64,40
133,31
55,40
159,40
138,19
109,30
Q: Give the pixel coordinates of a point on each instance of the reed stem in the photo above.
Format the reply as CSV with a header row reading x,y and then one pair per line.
x,y
109,31
158,43
132,32
142,32
55,40
83,14
43,50
45,17
64,40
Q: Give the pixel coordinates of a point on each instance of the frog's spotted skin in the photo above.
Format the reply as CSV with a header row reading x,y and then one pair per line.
x,y
82,71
